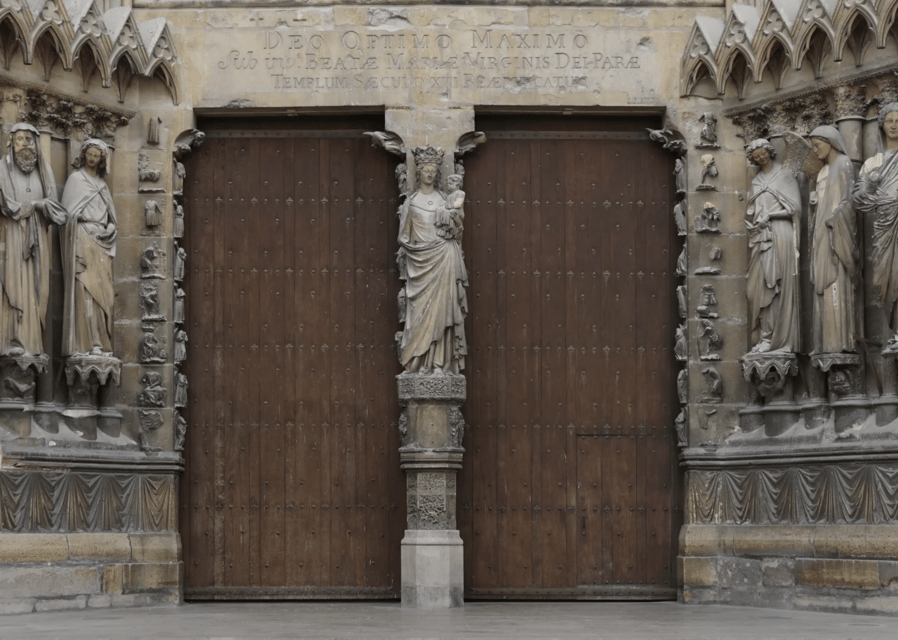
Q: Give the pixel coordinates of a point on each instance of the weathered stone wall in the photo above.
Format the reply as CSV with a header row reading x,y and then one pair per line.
x,y
837,568
57,571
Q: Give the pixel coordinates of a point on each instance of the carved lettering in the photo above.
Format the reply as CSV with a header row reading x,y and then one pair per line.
x,y
480,59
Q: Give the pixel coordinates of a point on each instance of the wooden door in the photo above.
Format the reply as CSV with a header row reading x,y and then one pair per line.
x,y
570,486
292,486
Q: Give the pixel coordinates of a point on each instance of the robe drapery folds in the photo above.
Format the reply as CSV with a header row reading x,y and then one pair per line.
x,y
772,280
882,201
433,337
29,205
834,258
88,248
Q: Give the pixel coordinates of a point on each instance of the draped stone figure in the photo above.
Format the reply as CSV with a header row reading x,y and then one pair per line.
x,y
432,266
876,193
28,205
834,249
88,248
772,220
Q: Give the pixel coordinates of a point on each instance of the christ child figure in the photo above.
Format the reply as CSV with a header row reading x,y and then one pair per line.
x,y
450,218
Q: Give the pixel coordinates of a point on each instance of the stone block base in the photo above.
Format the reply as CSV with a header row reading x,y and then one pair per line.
x,y
834,568
432,569
57,571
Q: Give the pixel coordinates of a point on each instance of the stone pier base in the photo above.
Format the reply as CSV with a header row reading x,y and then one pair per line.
x,y
432,569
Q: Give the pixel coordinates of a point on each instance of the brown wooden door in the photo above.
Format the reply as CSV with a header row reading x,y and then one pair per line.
x,y
292,486
570,486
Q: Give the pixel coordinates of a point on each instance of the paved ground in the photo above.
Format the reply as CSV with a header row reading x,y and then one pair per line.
x,y
518,621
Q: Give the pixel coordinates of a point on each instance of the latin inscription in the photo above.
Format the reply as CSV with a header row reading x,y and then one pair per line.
x,y
484,59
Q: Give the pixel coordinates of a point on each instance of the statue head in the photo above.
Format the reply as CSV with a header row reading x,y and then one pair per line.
x,y
824,138
93,154
22,145
428,157
454,182
886,109
757,146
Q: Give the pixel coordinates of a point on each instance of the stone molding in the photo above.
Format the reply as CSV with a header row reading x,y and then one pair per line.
x,y
59,501
852,493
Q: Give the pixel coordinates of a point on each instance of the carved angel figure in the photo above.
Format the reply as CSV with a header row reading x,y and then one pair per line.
x,y
876,193
88,248
834,250
772,280
433,336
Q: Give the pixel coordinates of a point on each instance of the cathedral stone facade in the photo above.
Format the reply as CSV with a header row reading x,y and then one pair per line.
x,y
445,303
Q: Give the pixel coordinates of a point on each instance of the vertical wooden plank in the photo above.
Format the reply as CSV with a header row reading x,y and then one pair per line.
x,y
552,351
293,491
307,307
623,501
373,320
273,158
481,380
341,383
515,361
199,367
222,417
661,490
533,358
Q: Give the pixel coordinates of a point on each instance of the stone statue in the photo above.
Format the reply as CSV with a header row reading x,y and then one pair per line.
x,y
709,170
708,220
178,231
180,263
152,213
834,250
88,248
148,266
180,346
179,305
181,391
153,394
714,390
708,135
681,348
679,214
149,301
772,280
680,175
28,204
151,351
876,193
433,270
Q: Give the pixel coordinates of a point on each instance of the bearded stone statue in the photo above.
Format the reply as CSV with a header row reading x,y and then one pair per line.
x,y
28,204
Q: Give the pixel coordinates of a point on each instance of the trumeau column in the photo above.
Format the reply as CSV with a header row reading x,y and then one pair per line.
x,y
432,349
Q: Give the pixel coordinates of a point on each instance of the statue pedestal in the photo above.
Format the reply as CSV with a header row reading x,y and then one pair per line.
x,y
432,569
850,406
431,427
771,374
886,405
18,383
85,374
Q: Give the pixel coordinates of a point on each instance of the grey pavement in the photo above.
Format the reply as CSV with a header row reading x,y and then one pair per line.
x,y
480,620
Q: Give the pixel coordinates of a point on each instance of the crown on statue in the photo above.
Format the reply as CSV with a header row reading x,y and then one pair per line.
x,y
428,155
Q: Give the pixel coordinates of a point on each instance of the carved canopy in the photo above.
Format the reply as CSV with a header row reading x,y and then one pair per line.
x,y
782,35
78,30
